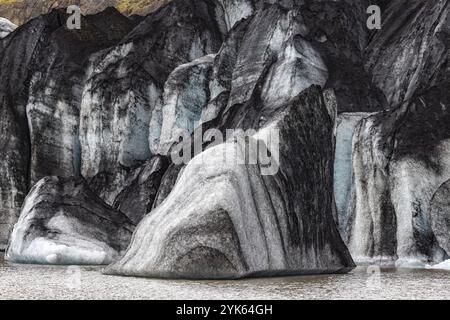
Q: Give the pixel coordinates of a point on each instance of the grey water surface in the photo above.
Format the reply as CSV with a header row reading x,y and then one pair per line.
x,y
60,282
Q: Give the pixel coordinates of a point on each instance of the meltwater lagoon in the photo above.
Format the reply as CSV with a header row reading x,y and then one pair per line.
x,y
84,283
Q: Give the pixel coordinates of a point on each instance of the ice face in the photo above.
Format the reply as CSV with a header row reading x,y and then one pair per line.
x,y
347,123
440,266
6,27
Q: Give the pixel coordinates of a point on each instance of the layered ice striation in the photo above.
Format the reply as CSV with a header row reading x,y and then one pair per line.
x,y
55,92
401,156
225,219
186,94
104,107
42,76
343,165
400,162
125,85
64,222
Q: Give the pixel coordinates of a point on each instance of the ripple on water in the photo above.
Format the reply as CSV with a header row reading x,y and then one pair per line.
x,y
57,282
